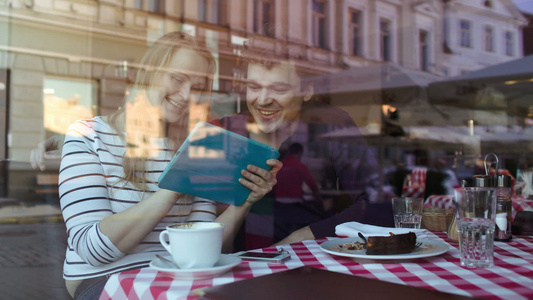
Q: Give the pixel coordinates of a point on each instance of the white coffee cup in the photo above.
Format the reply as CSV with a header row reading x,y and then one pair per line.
x,y
193,244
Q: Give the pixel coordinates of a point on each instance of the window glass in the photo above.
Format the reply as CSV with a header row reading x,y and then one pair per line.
x,y
356,32
65,101
264,17
424,50
385,39
355,95
489,39
319,23
509,43
202,10
210,11
465,36
155,5
138,4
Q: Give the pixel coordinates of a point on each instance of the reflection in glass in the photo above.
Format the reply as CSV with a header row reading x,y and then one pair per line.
x,y
66,101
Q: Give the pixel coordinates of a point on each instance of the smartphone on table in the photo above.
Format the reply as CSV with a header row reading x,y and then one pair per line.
x,y
270,257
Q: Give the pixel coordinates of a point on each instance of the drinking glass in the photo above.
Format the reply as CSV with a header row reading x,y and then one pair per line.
x,y
476,214
407,212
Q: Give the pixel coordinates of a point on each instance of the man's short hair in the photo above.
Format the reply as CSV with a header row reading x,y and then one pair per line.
x,y
267,52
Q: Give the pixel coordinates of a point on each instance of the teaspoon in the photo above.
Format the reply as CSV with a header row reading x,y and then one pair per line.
x,y
167,260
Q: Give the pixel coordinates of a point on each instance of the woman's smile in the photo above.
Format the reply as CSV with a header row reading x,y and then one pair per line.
x,y
176,103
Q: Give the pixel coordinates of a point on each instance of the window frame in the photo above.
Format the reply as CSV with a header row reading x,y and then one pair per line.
x,y
385,39
509,43
465,34
488,33
153,6
259,17
319,24
424,49
355,33
211,11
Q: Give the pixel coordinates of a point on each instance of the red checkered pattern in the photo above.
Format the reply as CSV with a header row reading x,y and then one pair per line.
x,y
417,187
510,278
440,201
521,204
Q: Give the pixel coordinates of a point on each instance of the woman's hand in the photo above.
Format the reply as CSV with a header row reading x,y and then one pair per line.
x,y
260,181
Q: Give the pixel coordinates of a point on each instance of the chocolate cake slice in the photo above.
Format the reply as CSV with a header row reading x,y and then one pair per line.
x,y
393,244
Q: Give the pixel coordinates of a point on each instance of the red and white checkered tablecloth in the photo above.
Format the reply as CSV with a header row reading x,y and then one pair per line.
x,y
446,202
521,204
510,278
415,186
440,201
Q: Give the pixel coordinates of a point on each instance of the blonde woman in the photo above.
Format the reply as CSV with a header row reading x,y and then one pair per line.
x,y
111,204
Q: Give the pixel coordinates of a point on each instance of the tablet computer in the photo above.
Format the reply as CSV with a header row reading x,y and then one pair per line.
x,y
209,163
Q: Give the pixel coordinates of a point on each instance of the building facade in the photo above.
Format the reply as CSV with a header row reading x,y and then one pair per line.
x,y
98,45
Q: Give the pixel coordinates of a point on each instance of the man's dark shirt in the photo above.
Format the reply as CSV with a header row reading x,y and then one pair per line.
x,y
346,159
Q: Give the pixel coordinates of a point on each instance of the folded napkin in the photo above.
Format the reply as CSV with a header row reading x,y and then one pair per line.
x,y
351,229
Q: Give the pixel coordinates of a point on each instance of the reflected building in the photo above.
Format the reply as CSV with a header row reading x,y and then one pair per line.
x,y
422,42
59,113
143,126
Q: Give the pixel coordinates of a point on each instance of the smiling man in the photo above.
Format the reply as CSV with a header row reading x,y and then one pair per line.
x,y
282,110
274,98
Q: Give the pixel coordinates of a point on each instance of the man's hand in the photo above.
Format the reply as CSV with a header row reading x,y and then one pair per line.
x,y
260,181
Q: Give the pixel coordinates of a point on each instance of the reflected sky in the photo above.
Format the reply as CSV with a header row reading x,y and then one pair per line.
x,y
524,5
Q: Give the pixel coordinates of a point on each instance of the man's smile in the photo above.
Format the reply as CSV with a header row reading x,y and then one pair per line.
x,y
267,112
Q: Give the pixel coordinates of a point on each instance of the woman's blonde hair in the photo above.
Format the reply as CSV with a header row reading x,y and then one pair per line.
x,y
157,57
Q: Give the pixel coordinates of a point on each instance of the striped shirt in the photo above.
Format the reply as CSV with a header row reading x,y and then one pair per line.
x,y
91,166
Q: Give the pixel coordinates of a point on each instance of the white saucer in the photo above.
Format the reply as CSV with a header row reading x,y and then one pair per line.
x,y
224,264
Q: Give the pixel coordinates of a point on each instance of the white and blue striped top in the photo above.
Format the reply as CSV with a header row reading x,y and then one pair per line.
x,y
91,165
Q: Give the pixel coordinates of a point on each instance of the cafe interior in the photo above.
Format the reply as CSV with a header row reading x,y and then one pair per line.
x,y
430,95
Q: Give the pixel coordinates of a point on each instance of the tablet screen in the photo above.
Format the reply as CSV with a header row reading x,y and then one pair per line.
x,y
209,164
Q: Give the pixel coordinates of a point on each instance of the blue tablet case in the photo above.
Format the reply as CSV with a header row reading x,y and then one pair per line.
x,y
209,162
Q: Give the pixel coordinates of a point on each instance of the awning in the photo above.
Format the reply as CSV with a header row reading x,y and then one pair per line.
x,y
394,83
416,137
504,86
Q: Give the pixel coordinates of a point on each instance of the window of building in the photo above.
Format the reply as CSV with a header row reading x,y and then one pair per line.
x,y
423,40
202,10
509,43
385,39
355,33
319,23
155,6
67,100
4,129
465,33
489,39
211,11
264,17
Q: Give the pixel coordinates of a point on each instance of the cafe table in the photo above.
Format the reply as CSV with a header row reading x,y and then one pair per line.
x,y
511,277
